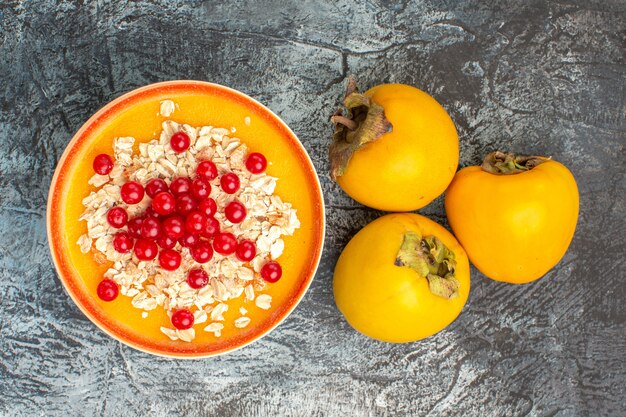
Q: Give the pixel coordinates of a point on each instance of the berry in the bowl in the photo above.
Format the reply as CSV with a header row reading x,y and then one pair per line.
x,y
230,183
103,164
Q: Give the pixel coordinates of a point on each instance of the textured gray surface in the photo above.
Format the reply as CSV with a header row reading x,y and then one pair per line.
x,y
546,78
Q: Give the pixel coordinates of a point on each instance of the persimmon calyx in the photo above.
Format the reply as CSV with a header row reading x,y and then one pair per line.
x,y
431,259
364,122
507,163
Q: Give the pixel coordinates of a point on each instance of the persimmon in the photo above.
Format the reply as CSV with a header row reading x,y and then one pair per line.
x,y
402,278
514,215
396,149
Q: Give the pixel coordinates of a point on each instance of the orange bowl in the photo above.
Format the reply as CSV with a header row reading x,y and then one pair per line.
x,y
199,104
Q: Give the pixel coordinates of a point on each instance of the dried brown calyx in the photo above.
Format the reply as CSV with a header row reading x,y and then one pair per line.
x,y
364,122
506,163
431,259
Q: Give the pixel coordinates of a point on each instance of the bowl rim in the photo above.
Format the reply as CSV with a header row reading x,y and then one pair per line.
x,y
92,122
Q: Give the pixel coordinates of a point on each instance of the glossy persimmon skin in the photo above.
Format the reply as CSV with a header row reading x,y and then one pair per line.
x,y
515,227
389,302
409,167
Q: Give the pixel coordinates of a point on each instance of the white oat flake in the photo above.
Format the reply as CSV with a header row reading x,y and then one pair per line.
x,y
167,108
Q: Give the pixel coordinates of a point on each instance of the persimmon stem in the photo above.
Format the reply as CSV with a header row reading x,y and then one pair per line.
x,y
506,163
364,122
431,259
349,123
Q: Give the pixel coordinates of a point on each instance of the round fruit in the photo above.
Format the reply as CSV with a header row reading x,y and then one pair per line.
x,y
180,185
515,216
225,243
195,222
246,250
208,207
256,163
107,290
401,278
185,203
117,217
202,252
211,228
179,142
174,227
188,240
134,227
164,203
166,242
235,212
229,183
145,249
151,213
207,169
150,228
271,271
200,188
397,152
182,319
122,242
155,186
132,192
197,278
103,164
169,259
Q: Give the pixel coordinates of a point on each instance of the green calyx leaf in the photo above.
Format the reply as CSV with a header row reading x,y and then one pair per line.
x,y
506,163
432,260
363,123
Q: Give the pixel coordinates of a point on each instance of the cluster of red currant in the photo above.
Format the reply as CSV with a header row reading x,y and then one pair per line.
x,y
182,212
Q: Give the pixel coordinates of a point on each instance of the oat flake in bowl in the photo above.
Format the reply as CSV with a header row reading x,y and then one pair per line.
x,y
200,301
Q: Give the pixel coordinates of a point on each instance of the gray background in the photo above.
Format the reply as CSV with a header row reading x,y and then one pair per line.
x,y
544,78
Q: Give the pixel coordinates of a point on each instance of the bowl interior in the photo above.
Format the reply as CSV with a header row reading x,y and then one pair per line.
x,y
199,104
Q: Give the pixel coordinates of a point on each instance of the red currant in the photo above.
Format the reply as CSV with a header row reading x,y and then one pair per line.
x,y
179,142
102,164
107,290
207,169
195,222
134,226
188,240
174,227
150,228
151,213
166,242
180,185
132,192
155,186
235,212
169,259
256,163
208,207
225,243
246,250
117,217
211,228
122,242
185,203
229,183
271,271
197,278
202,252
200,188
164,203
146,249
182,319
